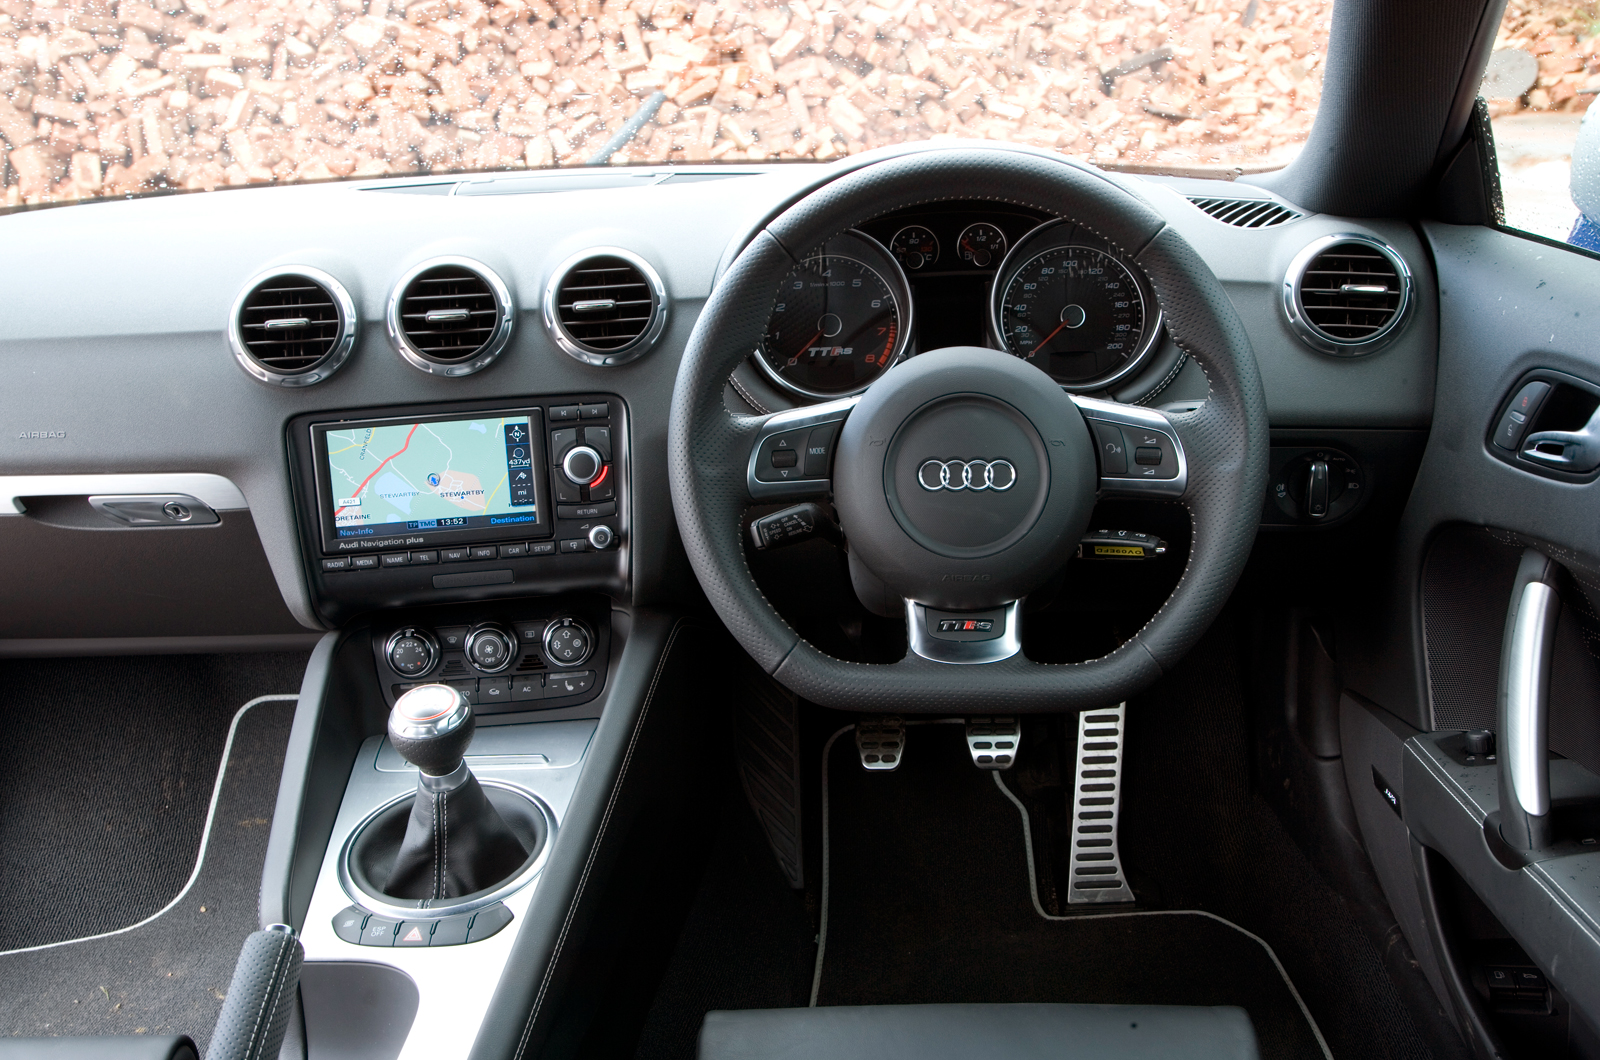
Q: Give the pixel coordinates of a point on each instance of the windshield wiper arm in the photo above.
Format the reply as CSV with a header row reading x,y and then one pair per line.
x,y
629,130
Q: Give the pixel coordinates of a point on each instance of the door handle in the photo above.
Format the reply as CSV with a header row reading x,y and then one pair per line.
x,y
1580,449
1524,703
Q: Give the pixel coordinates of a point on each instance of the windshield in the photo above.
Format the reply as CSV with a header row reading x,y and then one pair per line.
x,y
111,98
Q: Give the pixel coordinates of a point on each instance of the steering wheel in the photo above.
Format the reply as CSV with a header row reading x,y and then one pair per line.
x,y
963,478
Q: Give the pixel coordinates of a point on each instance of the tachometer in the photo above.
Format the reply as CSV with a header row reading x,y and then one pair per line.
x,y
838,325
1075,310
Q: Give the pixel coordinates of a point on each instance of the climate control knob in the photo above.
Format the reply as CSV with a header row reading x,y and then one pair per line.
x,y
568,642
411,652
491,649
582,464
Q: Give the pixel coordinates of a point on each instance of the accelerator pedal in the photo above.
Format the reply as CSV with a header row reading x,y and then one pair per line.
x,y
881,742
1097,876
993,742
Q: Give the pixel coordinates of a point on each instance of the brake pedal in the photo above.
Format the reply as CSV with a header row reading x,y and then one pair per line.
x,y
1097,876
993,742
881,742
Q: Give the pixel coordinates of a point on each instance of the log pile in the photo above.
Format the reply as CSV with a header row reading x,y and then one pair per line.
x,y
1565,38
104,97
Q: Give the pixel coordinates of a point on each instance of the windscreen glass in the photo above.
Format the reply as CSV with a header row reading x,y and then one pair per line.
x,y
115,97
431,476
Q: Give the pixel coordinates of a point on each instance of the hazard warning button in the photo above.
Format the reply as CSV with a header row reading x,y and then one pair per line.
x,y
414,933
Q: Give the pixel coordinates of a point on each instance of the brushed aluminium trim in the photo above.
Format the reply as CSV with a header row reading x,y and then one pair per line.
x,y
782,423
1009,266
897,275
1524,745
963,652
1319,340
214,491
1095,813
331,361
505,307
605,358
437,909
1148,419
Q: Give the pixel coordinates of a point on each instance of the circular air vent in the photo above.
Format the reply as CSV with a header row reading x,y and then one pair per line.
x,y
605,306
1347,294
450,316
292,327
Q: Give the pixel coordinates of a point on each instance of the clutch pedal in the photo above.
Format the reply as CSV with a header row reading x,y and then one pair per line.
x,y
1097,876
881,742
993,742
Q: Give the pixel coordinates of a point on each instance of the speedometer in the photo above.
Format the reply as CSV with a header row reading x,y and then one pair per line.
x,y
839,321
1065,301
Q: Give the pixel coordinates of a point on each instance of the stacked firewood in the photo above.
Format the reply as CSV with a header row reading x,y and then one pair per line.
x,y
108,97
1565,39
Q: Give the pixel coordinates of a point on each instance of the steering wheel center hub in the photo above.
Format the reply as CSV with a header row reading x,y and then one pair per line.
x,y
964,477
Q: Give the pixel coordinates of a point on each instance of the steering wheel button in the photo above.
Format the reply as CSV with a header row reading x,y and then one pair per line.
x,y
1147,455
1113,449
785,458
819,450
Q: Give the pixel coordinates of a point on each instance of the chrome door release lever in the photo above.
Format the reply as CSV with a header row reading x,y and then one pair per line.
x,y
1580,449
1524,704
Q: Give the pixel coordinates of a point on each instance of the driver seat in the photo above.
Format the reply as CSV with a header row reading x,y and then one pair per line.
x,y
990,1032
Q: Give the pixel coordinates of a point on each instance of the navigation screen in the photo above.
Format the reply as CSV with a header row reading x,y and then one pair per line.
x,y
432,475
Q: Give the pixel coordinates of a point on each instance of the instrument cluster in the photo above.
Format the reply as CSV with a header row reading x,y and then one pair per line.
x,y
1040,288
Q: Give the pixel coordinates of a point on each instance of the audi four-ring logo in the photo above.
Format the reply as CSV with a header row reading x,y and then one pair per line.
x,y
997,475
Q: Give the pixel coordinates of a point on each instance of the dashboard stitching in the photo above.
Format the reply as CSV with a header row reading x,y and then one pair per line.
x,y
594,848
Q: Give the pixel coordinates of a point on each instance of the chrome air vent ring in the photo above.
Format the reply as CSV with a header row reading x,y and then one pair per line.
x,y
1348,294
301,326
450,316
614,310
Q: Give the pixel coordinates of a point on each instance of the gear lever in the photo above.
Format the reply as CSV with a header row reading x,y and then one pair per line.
x,y
456,842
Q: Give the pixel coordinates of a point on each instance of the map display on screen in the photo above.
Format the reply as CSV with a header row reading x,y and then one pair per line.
x,y
437,475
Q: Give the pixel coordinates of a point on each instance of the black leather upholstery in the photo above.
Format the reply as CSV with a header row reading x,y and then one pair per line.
x,y
456,843
980,1032
128,1047
1226,439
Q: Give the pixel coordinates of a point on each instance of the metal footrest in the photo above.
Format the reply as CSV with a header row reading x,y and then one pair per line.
x,y
1097,876
881,742
993,742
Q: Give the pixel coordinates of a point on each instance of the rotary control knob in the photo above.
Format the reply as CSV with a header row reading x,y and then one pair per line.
x,y
411,652
490,648
568,642
601,537
582,464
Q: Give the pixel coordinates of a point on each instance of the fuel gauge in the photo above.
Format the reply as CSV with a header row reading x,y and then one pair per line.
x,y
915,247
981,244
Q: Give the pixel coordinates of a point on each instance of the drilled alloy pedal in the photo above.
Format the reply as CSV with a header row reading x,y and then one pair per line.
x,y
993,742
881,742
1097,876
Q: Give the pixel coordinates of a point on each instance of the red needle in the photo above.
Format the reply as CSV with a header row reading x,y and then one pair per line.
x,y
809,341
1048,337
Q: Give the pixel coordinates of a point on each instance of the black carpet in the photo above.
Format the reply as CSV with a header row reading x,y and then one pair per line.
x,y
105,789
930,897
170,975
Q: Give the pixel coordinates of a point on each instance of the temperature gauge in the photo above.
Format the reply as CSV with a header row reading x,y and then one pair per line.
x,y
981,244
915,247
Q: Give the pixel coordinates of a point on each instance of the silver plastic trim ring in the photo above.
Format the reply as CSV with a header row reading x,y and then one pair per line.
x,y
963,652
491,349
605,358
331,362
1319,340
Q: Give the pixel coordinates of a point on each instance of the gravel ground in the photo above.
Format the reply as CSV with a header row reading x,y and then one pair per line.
x,y
105,97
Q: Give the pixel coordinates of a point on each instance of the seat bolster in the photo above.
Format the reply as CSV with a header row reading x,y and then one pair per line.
x,y
127,1047
994,1032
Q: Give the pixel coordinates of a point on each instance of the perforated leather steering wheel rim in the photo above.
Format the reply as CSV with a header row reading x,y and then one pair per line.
x,y
1225,440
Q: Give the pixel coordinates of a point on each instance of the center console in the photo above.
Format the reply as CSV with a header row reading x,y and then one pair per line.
x,y
415,505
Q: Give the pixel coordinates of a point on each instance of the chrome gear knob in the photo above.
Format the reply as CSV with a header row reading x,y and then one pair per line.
x,y
431,726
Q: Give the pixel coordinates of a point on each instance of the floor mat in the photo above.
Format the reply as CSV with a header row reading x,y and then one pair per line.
x,y
929,904
167,976
104,791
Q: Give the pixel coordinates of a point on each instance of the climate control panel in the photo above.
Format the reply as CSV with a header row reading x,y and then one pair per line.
x,y
506,659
